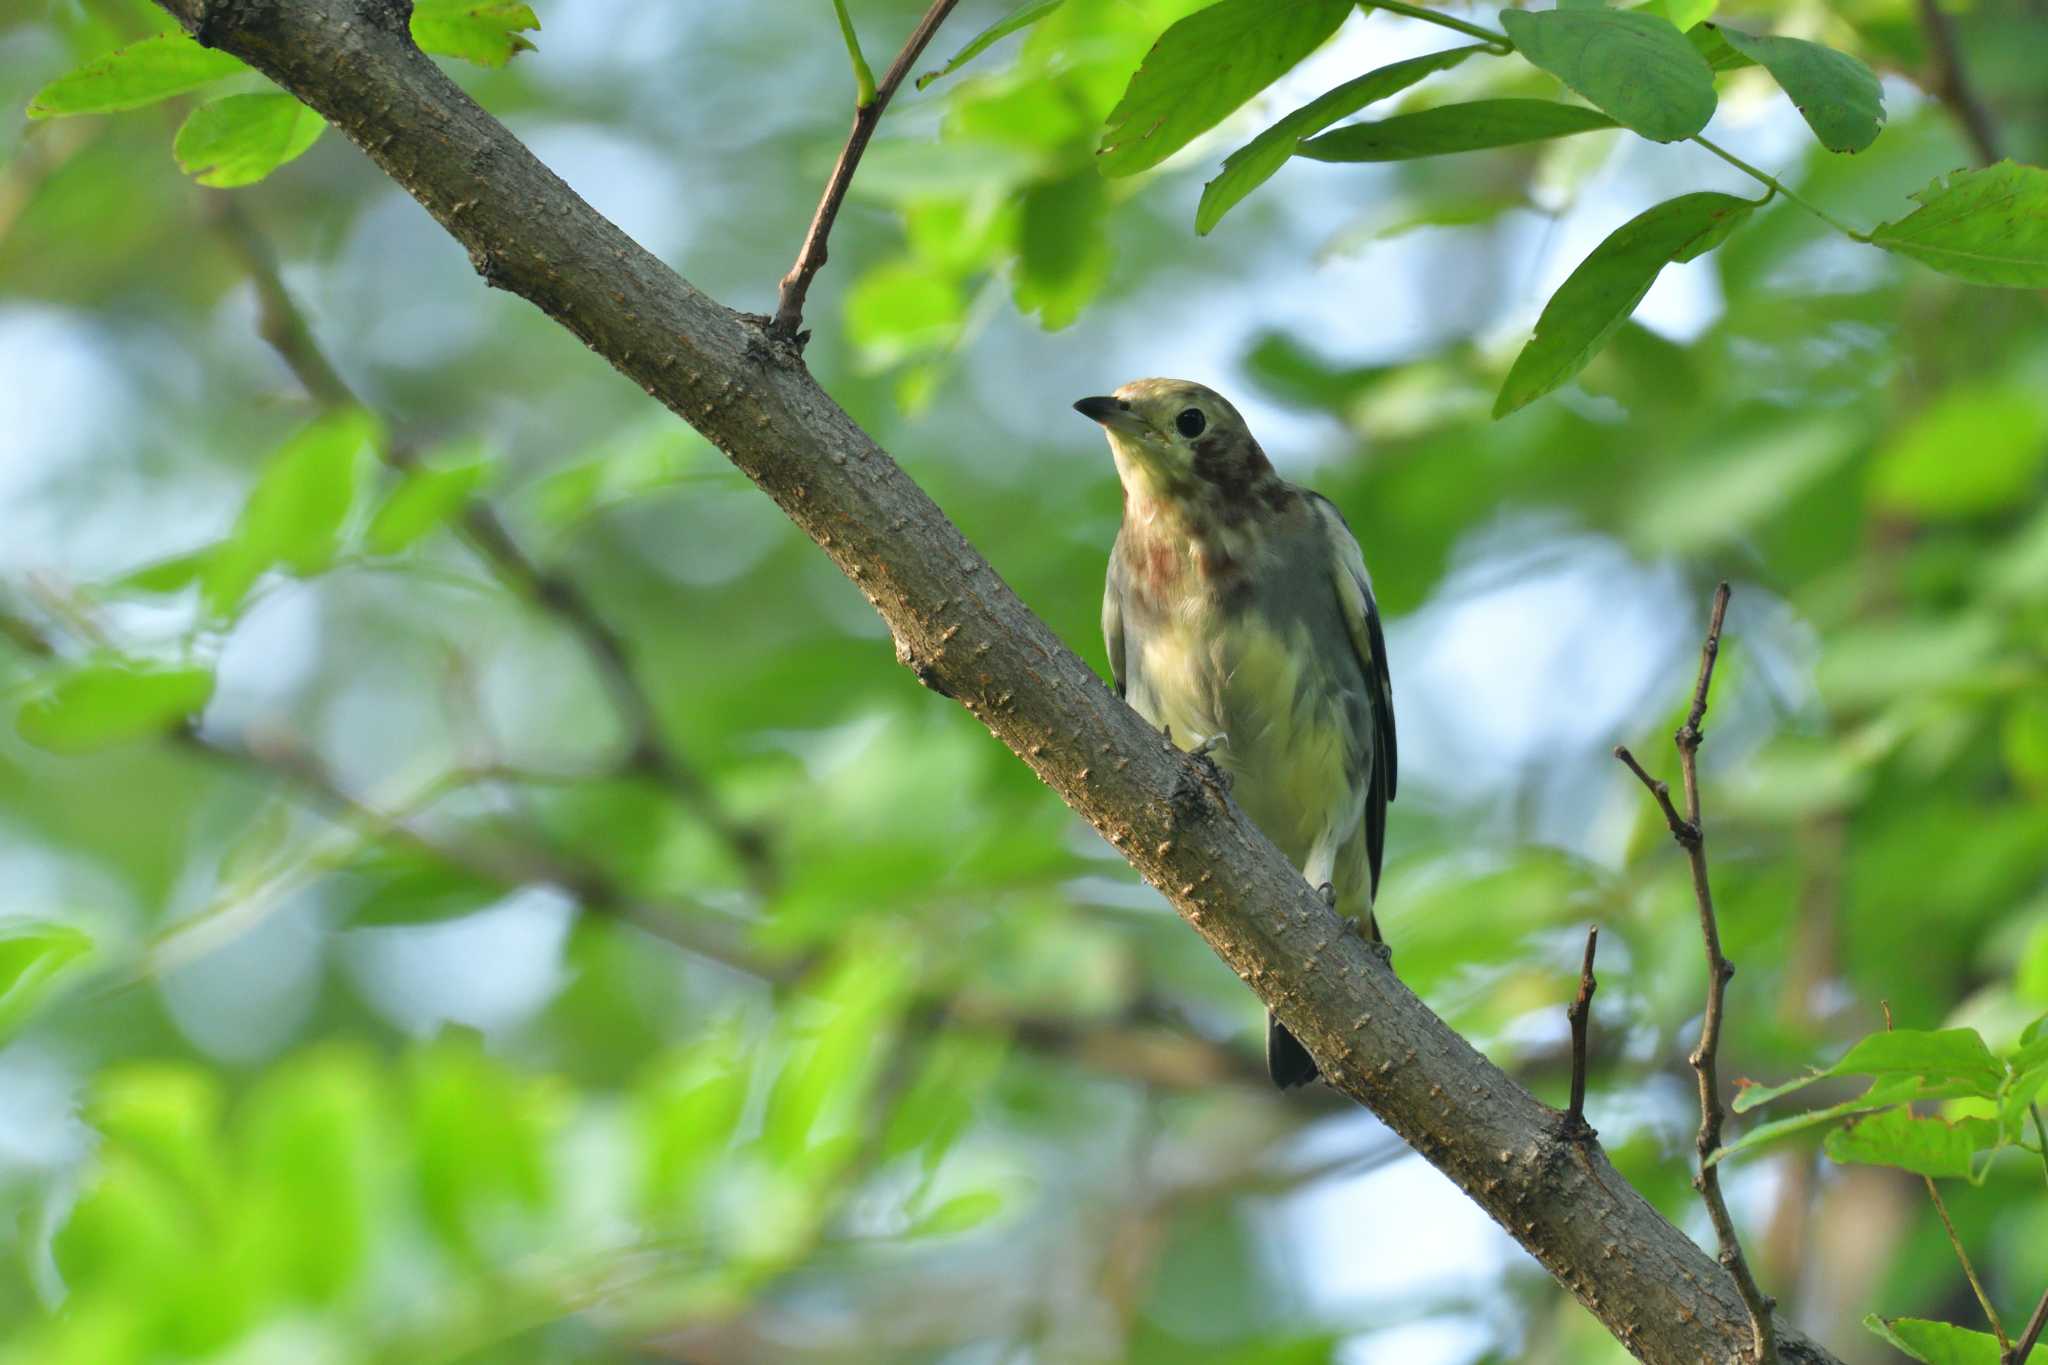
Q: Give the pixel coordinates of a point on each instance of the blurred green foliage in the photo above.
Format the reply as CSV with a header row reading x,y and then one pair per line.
x,y
378,982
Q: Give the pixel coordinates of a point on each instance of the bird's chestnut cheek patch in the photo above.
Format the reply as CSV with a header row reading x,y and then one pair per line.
x,y
1238,470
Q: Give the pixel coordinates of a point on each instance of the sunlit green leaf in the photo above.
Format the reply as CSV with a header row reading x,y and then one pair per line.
x,y
1836,94
312,1143
35,957
1454,128
489,33
294,516
1898,1137
1634,66
1978,448
1932,1057
1251,165
1022,17
1062,250
901,309
1682,14
137,75
429,495
1987,227
1599,295
240,139
959,1214
1204,67
113,701
1936,1343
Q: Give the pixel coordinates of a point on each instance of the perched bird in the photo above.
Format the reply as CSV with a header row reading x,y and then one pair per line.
x,y
1240,620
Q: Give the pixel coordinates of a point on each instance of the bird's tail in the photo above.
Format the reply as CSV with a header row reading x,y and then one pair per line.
x,y
1287,1061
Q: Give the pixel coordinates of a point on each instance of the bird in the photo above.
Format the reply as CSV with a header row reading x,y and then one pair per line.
x,y
1240,620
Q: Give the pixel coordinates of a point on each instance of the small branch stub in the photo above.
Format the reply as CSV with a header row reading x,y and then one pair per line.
x,y
1578,1012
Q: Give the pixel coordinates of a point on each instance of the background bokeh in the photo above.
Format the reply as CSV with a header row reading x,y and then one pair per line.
x,y
398,1014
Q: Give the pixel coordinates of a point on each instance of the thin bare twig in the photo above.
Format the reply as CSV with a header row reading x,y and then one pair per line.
x,y
1949,84
647,754
1578,1012
1687,831
2019,1351
1969,1271
810,257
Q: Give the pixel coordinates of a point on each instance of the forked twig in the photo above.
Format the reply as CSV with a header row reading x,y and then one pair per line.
x,y
810,257
1687,831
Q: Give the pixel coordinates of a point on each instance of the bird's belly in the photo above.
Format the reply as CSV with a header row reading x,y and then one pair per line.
x,y
1290,747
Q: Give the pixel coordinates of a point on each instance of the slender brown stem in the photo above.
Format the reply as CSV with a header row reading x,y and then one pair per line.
x,y
810,257
648,754
1948,82
1969,1271
1690,836
1578,1012
2019,1351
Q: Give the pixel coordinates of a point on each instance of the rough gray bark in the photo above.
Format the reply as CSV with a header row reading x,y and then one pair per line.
x,y
964,633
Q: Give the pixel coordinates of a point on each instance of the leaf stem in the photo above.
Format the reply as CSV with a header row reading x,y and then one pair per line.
x,y
1969,1271
1501,44
863,78
1777,186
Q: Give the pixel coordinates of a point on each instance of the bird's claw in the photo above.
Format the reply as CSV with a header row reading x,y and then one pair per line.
x,y
1328,892
1204,754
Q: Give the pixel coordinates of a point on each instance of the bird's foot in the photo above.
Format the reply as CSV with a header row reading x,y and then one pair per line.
x,y
1328,892
1203,754
1368,933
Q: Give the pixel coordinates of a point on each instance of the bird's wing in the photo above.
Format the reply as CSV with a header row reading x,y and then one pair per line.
x,y
1113,617
1362,619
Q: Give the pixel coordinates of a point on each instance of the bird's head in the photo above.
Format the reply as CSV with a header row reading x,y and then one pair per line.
x,y
1179,442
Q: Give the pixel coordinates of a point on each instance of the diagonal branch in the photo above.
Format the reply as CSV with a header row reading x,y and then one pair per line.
x,y
1948,82
867,113
962,631
281,323
1687,831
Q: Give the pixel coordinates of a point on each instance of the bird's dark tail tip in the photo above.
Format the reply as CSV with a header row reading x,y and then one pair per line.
x,y
1287,1061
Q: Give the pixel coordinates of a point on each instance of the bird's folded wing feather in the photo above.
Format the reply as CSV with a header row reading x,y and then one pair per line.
x,y
1113,619
1362,619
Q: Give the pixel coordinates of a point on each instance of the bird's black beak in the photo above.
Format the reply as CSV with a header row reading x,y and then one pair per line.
x,y
1103,410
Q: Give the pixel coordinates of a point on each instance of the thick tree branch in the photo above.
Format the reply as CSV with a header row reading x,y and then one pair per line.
x,y
961,629
867,113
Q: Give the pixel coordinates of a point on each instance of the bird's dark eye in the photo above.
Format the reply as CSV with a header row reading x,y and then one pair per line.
x,y
1190,422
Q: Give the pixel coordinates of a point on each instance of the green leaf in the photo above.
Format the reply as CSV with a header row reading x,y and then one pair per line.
x,y
134,76
1953,1058
1204,67
1936,1343
1683,15
34,958
1976,449
1706,40
429,495
312,1143
1022,17
1634,66
1455,128
958,1214
394,885
240,139
173,573
1062,250
2023,740
1251,165
1591,305
113,701
1898,1137
294,516
1836,94
1987,227
487,34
